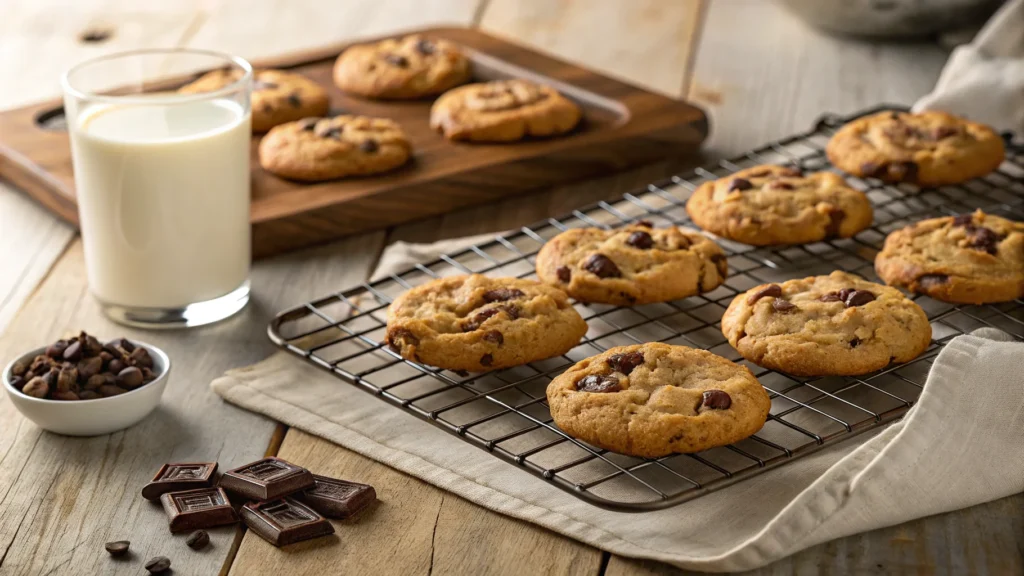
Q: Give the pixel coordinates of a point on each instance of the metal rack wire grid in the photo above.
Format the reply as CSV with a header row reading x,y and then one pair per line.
x,y
505,412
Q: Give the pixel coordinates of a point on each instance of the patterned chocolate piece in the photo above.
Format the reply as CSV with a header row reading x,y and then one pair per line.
x,y
180,476
194,509
267,479
337,498
284,521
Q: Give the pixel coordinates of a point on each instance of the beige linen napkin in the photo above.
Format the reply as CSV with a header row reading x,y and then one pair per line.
x,y
959,446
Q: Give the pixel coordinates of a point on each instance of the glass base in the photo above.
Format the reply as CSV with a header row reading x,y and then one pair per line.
x,y
196,314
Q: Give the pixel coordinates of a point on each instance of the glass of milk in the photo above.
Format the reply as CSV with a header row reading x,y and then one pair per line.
x,y
162,181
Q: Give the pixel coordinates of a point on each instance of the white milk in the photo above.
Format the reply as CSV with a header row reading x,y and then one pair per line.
x,y
163,197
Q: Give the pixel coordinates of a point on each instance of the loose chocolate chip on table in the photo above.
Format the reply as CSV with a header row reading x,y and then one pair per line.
x,y
641,240
602,266
781,305
564,274
495,337
932,280
119,548
369,146
769,290
597,384
716,399
836,217
425,46
502,294
294,100
130,377
626,362
73,353
158,564
56,350
739,184
397,60
36,387
198,540
486,360
859,298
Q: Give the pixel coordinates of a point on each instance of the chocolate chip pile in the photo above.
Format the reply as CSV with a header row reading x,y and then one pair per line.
x,y
81,368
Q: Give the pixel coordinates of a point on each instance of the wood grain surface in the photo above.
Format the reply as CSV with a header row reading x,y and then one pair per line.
x,y
757,70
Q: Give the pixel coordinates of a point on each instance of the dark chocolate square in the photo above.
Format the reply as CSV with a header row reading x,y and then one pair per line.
x,y
267,479
180,476
284,521
337,498
194,509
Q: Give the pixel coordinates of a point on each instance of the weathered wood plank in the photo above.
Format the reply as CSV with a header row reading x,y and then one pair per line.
x,y
762,74
61,498
647,42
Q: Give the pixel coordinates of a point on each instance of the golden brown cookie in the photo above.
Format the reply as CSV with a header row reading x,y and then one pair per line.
x,y
774,205
401,69
503,111
634,264
838,324
277,96
314,149
655,399
926,148
477,323
967,259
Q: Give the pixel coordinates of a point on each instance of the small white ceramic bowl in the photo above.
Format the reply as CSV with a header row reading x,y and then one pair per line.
x,y
92,417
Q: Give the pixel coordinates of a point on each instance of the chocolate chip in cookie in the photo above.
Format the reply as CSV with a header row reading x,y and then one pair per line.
x,y
716,399
502,295
739,184
564,274
369,146
596,383
769,290
397,60
983,239
626,362
641,240
602,266
781,305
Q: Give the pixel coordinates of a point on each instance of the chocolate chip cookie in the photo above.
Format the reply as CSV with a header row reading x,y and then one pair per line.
x,y
774,205
477,323
503,111
838,324
402,68
655,399
636,264
277,96
926,148
314,149
968,259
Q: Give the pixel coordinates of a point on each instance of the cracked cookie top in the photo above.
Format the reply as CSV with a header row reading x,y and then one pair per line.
x,y
635,264
478,323
970,259
928,148
838,324
654,399
503,111
772,205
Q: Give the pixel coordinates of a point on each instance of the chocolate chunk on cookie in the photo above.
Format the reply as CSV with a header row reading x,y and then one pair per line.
x,y
671,399
634,264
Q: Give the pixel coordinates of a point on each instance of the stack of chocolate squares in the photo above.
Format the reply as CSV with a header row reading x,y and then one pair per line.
x,y
285,503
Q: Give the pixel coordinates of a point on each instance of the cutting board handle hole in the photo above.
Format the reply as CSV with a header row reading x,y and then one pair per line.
x,y
52,120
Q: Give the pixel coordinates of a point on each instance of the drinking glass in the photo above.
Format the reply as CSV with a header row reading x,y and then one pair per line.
x,y
162,184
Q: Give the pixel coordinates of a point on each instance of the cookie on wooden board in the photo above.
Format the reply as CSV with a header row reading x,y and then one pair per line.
x,y
277,96
401,68
503,111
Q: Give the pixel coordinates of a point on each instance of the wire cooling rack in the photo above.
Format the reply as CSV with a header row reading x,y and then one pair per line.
x,y
505,412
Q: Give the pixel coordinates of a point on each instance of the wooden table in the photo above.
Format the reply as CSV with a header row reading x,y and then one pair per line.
x,y
757,70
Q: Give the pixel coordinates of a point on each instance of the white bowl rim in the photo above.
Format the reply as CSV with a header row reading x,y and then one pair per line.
x,y
46,401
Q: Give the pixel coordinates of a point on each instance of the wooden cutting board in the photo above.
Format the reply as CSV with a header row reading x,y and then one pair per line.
x,y
622,126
